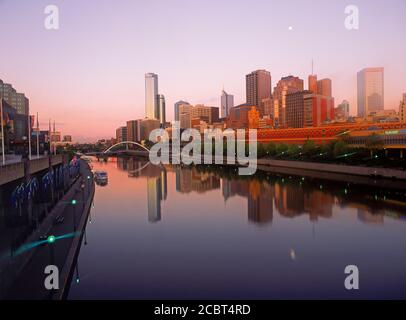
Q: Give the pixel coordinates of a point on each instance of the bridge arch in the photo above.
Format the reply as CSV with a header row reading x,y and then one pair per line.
x,y
124,143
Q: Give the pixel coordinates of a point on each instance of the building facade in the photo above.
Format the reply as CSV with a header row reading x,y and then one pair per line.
x,y
370,91
227,102
15,99
177,107
147,126
318,110
342,112
284,87
151,96
295,109
402,109
258,88
161,110
121,134
324,87
134,130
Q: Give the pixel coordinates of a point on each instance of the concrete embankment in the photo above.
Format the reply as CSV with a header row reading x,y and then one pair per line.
x,y
381,177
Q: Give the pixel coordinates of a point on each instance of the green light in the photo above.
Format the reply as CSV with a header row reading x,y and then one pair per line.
x,y
74,202
51,239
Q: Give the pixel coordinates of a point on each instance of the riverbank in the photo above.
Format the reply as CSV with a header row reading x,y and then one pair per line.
x,y
28,267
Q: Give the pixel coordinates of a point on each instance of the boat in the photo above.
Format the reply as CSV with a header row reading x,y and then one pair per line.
x,y
101,177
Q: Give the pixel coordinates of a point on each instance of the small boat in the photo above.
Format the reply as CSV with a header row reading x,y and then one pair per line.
x,y
100,176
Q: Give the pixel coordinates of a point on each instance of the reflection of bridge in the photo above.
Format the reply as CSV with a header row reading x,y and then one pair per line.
x,y
126,143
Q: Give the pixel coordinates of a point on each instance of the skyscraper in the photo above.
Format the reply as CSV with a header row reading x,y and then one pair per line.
x,y
258,88
324,87
161,110
151,96
134,130
176,108
370,87
227,102
286,85
313,83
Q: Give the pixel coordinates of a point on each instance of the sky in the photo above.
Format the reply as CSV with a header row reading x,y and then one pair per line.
x,y
88,75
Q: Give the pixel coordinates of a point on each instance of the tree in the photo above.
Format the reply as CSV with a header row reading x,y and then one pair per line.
x,y
309,148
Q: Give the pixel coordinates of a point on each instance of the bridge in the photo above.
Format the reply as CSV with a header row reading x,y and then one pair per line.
x,y
112,151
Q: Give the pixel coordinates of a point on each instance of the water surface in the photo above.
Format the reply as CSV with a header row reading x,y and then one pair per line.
x,y
178,232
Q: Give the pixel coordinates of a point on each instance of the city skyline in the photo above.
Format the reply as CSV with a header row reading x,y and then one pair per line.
x,y
76,70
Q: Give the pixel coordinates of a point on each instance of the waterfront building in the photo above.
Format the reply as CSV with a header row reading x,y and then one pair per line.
x,y
370,91
15,99
258,88
121,134
147,126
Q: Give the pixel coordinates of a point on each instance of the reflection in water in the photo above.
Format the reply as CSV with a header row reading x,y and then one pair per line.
x,y
290,196
223,236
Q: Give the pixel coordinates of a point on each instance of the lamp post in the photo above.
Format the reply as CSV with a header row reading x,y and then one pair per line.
x,y
73,202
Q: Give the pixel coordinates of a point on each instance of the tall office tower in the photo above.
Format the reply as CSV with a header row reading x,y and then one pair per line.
x,y
176,108
324,87
227,102
162,109
134,130
258,87
313,83
370,87
147,126
295,111
151,96
286,85
184,115
402,109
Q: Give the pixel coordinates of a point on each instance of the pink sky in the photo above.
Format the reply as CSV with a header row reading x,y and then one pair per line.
x,y
89,74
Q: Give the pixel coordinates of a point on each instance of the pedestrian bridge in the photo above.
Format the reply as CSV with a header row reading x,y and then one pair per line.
x,y
126,144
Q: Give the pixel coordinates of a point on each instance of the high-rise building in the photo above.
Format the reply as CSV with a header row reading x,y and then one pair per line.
x,y
285,86
176,108
295,110
342,112
402,109
258,88
324,87
313,83
370,87
147,126
15,99
227,102
197,113
161,109
151,96
318,110
238,117
121,134
134,130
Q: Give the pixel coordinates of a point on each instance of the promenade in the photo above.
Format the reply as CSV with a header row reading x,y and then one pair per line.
x,y
74,207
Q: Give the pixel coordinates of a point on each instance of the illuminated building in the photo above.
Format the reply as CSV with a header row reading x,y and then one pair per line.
x,y
318,110
253,118
324,87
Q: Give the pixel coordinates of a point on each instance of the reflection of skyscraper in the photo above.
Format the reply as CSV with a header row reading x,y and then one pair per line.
x,y
164,184
260,202
154,192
